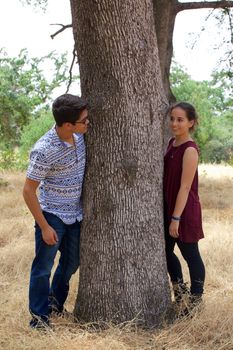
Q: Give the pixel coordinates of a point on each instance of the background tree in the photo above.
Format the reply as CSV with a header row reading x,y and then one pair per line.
x,y
25,93
24,90
214,102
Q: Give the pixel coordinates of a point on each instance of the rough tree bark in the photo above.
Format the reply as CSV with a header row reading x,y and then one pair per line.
x,y
123,270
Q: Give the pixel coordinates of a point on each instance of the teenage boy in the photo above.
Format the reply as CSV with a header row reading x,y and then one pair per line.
x,y
57,164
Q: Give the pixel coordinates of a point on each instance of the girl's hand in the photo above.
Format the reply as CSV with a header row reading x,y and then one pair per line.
x,y
173,229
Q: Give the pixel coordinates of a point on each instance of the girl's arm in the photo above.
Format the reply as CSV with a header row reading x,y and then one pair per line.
x,y
189,167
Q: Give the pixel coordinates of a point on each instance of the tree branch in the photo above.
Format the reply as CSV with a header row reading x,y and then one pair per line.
x,y
204,4
202,29
63,27
71,71
230,24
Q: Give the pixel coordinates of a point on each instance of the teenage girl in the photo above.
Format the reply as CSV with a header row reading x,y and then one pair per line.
x,y
183,221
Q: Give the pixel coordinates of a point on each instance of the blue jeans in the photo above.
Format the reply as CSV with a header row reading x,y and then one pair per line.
x,y
41,294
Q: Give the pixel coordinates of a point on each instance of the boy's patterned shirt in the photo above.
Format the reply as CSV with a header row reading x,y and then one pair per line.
x,y
59,167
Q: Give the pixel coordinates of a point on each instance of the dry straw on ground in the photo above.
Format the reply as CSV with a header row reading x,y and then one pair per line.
x,y
210,329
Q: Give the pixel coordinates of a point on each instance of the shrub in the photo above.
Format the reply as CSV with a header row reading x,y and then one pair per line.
x,y
215,152
36,128
7,157
229,146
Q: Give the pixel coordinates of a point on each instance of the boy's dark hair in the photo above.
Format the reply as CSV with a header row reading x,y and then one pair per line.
x,y
67,108
190,112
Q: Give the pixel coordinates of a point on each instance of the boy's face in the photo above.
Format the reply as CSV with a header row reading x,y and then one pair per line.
x,y
81,125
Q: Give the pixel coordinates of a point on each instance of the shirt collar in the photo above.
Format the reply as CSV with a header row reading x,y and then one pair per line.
x,y
58,142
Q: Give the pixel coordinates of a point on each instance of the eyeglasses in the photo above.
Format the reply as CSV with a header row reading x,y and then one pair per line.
x,y
84,121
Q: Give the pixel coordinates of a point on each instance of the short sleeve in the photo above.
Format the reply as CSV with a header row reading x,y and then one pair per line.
x,y
193,145
39,165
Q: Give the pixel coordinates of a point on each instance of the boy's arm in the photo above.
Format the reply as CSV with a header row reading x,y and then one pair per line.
x,y
29,193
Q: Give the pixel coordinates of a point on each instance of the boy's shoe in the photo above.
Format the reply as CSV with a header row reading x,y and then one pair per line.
x,y
40,323
55,309
58,312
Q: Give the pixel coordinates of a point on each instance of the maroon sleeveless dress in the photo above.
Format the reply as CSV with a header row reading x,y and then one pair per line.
x,y
190,227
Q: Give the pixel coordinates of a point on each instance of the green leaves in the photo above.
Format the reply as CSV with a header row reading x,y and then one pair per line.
x,y
214,103
25,89
31,133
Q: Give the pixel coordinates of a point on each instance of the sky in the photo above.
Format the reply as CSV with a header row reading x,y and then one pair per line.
x,y
24,27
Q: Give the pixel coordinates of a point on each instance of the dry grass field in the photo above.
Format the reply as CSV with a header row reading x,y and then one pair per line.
x,y
210,329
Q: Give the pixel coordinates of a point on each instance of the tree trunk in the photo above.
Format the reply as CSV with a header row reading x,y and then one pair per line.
x,y
165,14
123,271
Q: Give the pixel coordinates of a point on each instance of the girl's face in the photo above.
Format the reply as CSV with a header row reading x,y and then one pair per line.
x,y
179,123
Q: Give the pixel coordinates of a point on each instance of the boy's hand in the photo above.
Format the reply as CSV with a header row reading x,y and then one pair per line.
x,y
49,236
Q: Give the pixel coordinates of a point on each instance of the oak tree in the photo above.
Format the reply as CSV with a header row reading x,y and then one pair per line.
x,y
124,51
